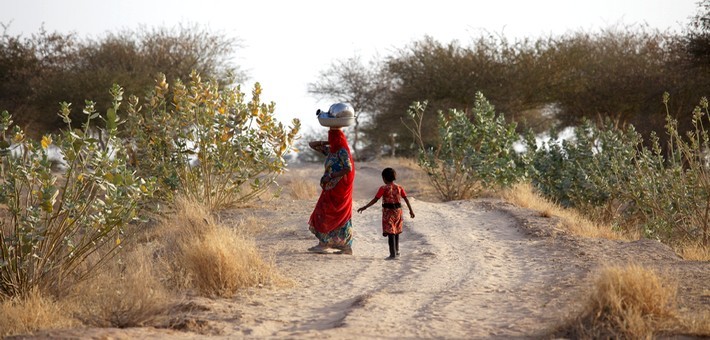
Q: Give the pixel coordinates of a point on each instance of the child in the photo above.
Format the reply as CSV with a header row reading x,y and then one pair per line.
x,y
391,209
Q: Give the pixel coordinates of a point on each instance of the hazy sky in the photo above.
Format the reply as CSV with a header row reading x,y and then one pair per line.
x,y
285,44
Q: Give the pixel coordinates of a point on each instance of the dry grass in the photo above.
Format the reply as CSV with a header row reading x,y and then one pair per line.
x,y
249,225
694,252
695,325
222,262
522,195
629,302
199,253
128,293
302,190
32,313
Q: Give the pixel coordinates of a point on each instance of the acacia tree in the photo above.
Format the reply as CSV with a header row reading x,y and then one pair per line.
x,y
449,76
351,81
39,71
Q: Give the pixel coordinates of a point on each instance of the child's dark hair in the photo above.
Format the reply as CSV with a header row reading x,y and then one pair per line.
x,y
389,175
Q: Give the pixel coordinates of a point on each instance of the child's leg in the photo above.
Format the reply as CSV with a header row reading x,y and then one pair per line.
x,y
396,244
390,240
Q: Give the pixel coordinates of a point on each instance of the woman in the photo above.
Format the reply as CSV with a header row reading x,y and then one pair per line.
x,y
331,218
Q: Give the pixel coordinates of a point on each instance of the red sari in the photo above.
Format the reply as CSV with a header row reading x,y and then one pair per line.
x,y
333,210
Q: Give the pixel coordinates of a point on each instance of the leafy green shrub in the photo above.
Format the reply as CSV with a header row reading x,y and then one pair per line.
x,y
59,227
609,172
470,153
207,143
671,190
584,171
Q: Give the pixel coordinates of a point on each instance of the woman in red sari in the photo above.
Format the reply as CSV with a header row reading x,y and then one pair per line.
x,y
331,221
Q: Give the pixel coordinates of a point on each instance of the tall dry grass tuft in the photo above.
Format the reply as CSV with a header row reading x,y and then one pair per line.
x,y
302,190
128,293
31,313
202,254
628,302
524,196
222,262
696,325
694,251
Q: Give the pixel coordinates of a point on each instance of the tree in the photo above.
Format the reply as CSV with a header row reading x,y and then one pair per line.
x,y
352,82
39,71
698,35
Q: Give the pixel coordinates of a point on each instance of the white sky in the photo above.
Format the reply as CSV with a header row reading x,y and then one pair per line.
x,y
285,44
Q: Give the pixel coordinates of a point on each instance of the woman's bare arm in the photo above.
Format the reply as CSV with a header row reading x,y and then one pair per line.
x,y
318,145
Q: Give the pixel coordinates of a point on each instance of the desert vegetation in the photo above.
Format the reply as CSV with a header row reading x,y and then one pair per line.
x,y
632,302
46,68
128,222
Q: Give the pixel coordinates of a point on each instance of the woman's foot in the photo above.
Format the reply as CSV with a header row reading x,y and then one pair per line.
x,y
346,250
320,249
391,257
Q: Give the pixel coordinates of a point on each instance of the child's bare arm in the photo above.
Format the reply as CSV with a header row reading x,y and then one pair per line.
x,y
374,200
411,212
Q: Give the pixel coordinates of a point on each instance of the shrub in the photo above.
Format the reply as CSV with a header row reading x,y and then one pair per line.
x,y
629,302
127,293
584,171
470,152
205,255
207,143
609,172
672,193
54,223
34,311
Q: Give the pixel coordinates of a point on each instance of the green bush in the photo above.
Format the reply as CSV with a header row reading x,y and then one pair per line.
x,y
610,173
59,227
470,152
207,143
583,171
671,190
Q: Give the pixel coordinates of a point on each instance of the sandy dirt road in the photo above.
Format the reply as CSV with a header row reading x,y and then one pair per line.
x,y
468,269
479,269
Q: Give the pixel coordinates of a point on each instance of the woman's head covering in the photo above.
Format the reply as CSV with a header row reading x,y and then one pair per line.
x,y
337,141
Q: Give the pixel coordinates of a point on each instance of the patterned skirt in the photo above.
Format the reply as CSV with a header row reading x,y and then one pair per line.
x,y
339,237
391,221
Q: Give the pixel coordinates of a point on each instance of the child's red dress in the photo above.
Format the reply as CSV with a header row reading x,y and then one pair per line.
x,y
392,220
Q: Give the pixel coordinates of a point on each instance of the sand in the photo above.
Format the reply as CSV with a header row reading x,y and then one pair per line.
x,y
468,270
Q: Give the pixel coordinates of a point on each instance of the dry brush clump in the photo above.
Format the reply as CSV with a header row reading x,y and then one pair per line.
x,y
127,293
693,251
523,195
294,183
32,312
631,302
200,253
